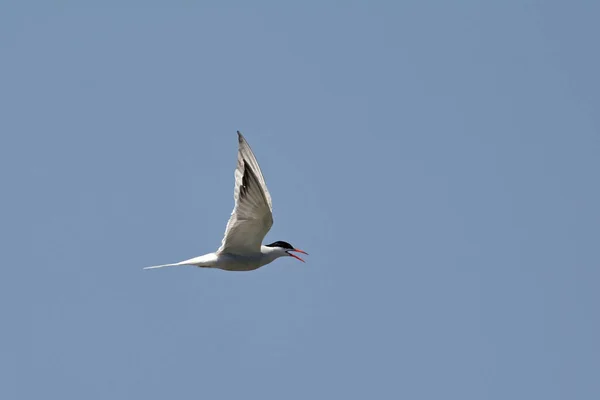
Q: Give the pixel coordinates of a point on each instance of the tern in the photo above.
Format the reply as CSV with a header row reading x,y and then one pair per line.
x,y
251,219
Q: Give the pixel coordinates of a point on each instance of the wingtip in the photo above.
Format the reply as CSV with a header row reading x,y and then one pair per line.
x,y
241,138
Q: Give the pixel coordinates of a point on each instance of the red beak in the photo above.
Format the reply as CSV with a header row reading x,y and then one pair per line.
x,y
295,256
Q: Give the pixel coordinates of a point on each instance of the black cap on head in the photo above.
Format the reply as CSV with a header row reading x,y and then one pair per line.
x,y
283,245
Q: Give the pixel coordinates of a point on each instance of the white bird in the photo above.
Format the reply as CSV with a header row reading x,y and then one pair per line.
x,y
251,219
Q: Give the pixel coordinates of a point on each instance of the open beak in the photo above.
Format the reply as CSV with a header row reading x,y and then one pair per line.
x,y
295,256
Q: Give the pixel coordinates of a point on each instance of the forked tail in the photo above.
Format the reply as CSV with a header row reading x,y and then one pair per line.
x,y
164,265
207,260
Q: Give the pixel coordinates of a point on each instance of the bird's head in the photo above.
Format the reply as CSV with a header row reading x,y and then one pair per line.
x,y
285,248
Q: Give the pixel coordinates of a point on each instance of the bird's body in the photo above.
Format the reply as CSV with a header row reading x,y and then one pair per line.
x,y
251,219
230,261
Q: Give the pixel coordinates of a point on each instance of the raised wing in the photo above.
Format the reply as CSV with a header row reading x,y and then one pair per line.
x,y
252,215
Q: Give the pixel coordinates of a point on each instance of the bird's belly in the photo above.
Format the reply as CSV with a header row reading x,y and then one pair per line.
x,y
234,262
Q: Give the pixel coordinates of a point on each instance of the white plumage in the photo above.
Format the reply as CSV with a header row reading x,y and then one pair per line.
x,y
251,219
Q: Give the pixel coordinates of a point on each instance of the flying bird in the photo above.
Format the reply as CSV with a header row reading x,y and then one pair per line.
x,y
251,219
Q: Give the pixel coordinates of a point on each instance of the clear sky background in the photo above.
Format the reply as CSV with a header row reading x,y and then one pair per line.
x,y
438,160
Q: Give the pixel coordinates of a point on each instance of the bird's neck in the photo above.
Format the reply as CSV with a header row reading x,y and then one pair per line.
x,y
271,253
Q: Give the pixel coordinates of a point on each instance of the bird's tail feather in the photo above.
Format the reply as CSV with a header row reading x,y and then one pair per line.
x,y
164,265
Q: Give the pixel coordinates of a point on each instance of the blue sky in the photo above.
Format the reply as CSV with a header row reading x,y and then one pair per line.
x,y
438,160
